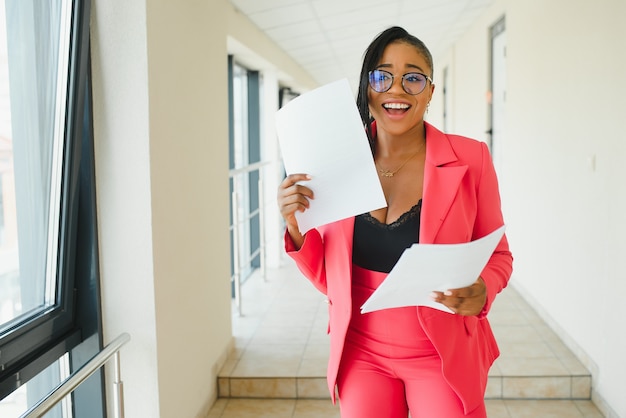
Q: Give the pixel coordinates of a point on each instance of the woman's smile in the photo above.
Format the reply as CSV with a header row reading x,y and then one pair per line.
x,y
396,109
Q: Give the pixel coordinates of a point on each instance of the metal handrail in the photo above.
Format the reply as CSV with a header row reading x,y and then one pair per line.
x,y
79,376
248,168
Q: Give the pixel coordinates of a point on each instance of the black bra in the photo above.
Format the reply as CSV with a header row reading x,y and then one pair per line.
x,y
378,246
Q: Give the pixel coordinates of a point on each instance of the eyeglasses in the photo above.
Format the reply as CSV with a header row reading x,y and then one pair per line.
x,y
412,83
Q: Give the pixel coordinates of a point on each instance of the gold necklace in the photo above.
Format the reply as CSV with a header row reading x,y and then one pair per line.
x,y
390,173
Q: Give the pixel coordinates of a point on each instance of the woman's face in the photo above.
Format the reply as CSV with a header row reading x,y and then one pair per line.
x,y
395,111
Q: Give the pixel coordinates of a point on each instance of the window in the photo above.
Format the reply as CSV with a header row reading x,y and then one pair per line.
x,y
34,91
245,151
47,225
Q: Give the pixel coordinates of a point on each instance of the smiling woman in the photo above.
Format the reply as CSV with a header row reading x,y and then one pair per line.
x,y
439,189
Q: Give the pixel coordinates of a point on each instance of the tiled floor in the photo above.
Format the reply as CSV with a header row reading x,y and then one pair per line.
x,y
278,367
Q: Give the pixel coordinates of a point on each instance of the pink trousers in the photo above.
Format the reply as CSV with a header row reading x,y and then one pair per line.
x,y
389,366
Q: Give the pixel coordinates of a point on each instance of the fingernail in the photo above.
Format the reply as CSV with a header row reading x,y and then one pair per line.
x,y
433,296
447,293
308,177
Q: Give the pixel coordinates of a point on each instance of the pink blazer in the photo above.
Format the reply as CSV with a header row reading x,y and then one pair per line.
x,y
461,203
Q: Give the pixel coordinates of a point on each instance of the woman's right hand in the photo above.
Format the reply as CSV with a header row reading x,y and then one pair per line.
x,y
293,197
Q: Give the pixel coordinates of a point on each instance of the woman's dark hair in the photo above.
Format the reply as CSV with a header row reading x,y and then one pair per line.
x,y
373,54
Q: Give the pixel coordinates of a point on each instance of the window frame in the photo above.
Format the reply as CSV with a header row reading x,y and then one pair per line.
x,y
249,152
30,345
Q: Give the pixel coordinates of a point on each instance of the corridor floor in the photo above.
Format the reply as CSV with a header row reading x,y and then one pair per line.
x,y
278,366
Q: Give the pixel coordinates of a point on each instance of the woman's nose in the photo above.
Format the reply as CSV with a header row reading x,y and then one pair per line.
x,y
396,85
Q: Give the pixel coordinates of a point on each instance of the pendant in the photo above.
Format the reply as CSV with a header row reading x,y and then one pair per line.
x,y
385,173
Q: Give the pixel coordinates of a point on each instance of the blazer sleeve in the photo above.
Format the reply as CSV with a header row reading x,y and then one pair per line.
x,y
309,258
489,217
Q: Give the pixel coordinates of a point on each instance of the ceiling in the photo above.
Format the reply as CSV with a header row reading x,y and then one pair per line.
x,y
328,37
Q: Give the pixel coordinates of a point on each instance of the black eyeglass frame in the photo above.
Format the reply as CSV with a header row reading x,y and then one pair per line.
x,y
369,80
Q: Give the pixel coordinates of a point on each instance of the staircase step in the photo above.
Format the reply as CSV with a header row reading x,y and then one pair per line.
x,y
498,387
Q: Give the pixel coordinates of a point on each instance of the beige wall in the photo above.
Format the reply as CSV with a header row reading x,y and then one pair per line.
x,y
190,217
161,166
561,166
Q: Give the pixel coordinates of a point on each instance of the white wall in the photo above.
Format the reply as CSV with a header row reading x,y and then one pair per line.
x,y
161,166
161,144
122,145
562,170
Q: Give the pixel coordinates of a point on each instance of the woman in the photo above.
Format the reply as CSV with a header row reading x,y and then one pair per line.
x,y
439,189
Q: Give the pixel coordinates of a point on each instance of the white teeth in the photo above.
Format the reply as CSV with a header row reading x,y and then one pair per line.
x,y
396,106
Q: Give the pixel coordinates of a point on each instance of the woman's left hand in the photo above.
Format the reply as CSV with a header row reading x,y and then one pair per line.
x,y
466,301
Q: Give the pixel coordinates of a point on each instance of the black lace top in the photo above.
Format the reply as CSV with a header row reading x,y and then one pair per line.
x,y
378,246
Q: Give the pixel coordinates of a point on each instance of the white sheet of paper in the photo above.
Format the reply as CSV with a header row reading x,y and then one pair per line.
x,y
321,134
424,268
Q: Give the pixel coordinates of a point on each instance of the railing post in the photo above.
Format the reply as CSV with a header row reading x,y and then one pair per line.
x,y
236,255
118,385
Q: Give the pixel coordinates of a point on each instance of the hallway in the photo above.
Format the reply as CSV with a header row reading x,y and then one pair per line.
x,y
278,366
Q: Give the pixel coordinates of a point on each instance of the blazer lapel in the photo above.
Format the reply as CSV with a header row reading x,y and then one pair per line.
x,y
441,182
